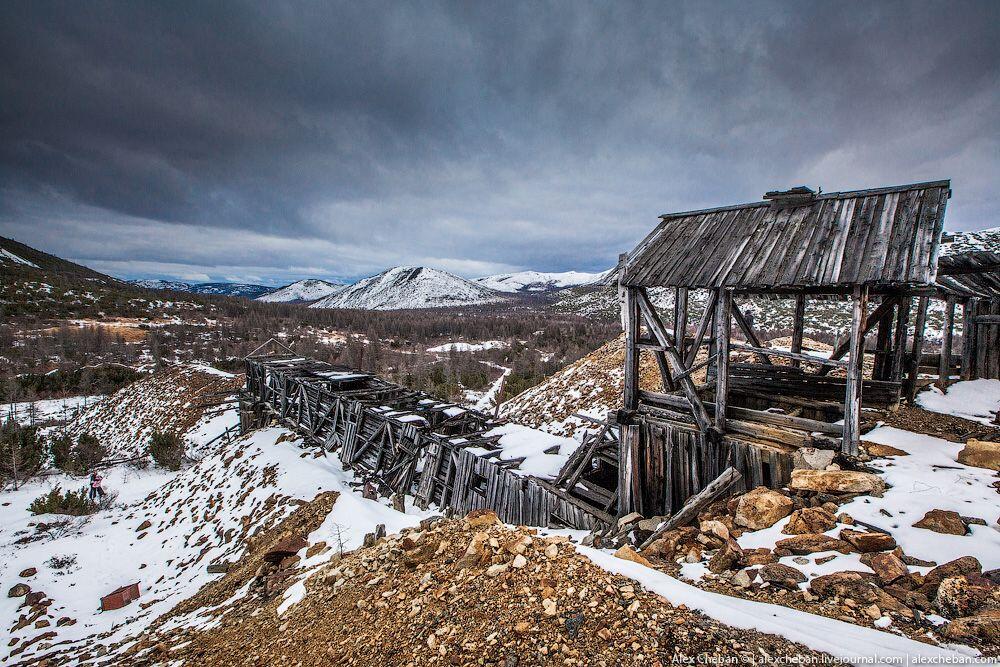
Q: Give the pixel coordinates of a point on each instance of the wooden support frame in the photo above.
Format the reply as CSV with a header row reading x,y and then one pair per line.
x,y
723,324
852,398
968,338
749,333
798,326
944,359
913,368
899,338
871,320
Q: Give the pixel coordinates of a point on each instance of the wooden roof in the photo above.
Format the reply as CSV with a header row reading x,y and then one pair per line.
x,y
973,273
882,237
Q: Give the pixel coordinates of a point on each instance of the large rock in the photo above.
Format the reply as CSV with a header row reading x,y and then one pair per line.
x,y
963,595
942,521
966,565
859,586
810,458
284,548
887,566
671,542
481,518
628,553
837,481
18,590
810,520
801,545
782,576
983,627
981,454
868,542
877,450
762,508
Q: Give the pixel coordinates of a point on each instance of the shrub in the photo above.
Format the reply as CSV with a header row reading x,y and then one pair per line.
x,y
56,501
89,452
62,563
167,449
63,456
22,450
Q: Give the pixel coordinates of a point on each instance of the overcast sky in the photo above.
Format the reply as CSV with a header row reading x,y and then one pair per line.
x,y
270,141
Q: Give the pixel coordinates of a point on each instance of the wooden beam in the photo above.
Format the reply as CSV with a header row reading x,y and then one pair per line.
x,y
630,318
944,361
680,318
722,326
791,355
750,334
852,398
695,503
969,337
899,338
883,358
919,325
798,326
870,321
699,336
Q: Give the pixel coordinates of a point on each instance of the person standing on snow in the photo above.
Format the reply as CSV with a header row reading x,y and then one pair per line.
x,y
95,486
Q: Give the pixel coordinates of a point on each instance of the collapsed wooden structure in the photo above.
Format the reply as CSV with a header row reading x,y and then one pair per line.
x,y
970,279
875,246
408,442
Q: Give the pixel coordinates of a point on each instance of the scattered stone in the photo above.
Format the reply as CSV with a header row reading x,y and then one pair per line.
x,y
783,576
28,572
628,553
762,508
881,451
966,565
18,590
496,570
913,561
837,481
742,579
145,525
481,518
628,520
716,528
981,454
868,542
887,566
810,520
810,458
942,521
984,627
761,556
286,547
802,545
725,558
218,568
651,524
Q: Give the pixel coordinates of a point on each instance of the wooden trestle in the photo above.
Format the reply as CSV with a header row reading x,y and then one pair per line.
x,y
412,443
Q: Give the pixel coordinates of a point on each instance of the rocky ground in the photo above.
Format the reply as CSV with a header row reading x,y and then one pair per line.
x,y
460,592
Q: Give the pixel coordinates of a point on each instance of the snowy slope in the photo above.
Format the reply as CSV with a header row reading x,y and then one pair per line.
x,y
410,287
301,291
7,257
536,281
985,239
225,289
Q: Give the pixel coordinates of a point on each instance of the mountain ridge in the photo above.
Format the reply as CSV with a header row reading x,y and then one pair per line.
x,y
410,287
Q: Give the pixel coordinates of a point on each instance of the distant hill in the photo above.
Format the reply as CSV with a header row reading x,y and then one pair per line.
x,y
17,258
985,239
247,290
405,287
302,291
537,281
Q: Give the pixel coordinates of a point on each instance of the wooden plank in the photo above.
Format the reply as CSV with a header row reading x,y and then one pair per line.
x,y
680,318
944,364
852,400
968,338
630,318
870,322
689,512
919,326
748,331
798,326
775,418
790,355
899,338
707,317
722,329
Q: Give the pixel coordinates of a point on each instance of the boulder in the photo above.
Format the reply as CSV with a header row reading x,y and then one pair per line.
x,y
726,558
761,556
880,451
630,554
762,508
145,525
837,481
811,543
868,542
714,527
28,572
810,458
782,576
942,521
981,454
960,566
855,585
887,566
983,627
810,520
670,542
962,595
286,547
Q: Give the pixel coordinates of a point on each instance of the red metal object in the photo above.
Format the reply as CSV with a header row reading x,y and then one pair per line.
x,y
119,598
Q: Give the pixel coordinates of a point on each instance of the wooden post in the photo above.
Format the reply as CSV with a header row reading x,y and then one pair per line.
x,y
944,360
630,320
680,318
627,447
723,319
899,338
852,398
918,348
798,326
968,338
883,358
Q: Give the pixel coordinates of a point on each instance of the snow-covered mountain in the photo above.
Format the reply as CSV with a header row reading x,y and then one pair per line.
x,y
302,291
406,287
225,289
537,281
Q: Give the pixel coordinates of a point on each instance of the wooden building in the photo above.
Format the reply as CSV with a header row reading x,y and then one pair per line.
x,y
875,249
970,280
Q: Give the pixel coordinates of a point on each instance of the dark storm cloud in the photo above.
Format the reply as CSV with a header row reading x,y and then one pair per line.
x,y
272,140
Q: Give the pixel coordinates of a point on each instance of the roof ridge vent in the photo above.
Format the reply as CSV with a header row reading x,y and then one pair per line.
x,y
800,195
